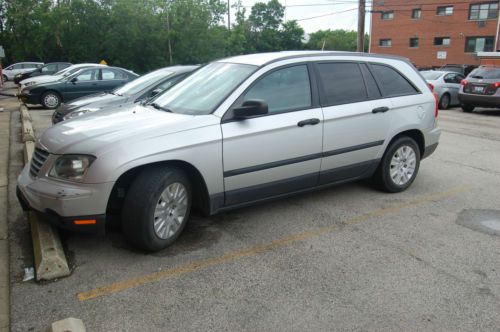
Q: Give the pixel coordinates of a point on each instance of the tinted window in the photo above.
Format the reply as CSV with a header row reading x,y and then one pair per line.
x,y
284,89
453,78
52,67
371,85
342,83
486,72
392,82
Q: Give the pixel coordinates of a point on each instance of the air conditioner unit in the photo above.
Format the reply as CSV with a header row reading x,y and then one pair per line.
x,y
481,24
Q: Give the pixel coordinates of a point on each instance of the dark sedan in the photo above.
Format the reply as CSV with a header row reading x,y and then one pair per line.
x,y
137,90
82,83
47,69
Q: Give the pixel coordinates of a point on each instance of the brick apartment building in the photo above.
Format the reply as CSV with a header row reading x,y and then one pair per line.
x,y
435,32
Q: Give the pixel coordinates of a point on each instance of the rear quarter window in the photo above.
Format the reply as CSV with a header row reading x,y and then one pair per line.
x,y
391,82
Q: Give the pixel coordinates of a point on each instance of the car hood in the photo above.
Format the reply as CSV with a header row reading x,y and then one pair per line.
x,y
95,100
41,79
99,132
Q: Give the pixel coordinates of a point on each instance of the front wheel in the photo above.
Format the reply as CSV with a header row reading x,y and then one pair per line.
x,y
156,207
51,100
4,78
399,166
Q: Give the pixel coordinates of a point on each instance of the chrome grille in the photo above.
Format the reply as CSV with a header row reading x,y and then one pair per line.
x,y
38,159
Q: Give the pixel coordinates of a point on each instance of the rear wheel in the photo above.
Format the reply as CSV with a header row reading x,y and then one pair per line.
x,y
444,102
51,99
467,108
399,166
157,207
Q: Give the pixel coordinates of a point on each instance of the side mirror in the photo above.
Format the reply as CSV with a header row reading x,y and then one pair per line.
x,y
155,92
250,108
74,80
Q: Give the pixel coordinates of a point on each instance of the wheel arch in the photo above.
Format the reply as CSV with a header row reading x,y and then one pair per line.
x,y
201,198
415,134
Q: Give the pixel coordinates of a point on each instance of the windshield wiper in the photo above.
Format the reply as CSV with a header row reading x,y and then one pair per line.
x,y
158,107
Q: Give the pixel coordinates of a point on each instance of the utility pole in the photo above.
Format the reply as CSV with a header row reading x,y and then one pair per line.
x,y
228,16
361,26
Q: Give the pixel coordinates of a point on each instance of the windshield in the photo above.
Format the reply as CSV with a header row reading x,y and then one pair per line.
x,y
203,91
431,75
486,72
142,82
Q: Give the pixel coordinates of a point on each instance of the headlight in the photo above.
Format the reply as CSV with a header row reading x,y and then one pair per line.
x,y
79,112
25,91
71,167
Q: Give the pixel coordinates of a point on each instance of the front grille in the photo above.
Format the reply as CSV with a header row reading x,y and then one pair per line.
x,y
37,161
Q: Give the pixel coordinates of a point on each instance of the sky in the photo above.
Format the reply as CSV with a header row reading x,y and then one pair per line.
x,y
314,15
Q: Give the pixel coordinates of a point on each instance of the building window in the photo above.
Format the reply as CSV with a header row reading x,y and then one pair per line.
x,y
416,13
444,10
389,15
442,41
385,42
413,42
483,11
479,44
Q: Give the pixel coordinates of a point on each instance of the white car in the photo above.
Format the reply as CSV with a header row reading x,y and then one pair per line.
x,y
55,77
238,131
9,72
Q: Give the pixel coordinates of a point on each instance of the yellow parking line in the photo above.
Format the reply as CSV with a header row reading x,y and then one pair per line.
x,y
257,249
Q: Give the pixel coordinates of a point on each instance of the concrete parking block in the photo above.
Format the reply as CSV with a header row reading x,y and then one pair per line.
x,y
68,324
50,261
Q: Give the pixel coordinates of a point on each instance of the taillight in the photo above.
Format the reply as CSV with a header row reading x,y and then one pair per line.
x,y
436,110
431,86
496,85
464,82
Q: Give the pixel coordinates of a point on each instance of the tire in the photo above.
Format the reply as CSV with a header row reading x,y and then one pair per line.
x,y
467,108
149,195
444,102
51,100
389,175
4,78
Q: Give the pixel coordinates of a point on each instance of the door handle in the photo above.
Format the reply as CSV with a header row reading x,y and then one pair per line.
x,y
382,109
312,122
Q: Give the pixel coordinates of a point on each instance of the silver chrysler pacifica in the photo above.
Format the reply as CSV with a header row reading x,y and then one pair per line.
x,y
238,131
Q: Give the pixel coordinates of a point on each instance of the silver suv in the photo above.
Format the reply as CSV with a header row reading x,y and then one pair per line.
x,y
238,131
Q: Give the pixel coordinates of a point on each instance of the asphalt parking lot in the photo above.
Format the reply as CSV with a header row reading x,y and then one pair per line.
x,y
345,258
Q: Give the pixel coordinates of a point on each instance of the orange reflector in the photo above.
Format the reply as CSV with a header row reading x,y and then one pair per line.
x,y
85,222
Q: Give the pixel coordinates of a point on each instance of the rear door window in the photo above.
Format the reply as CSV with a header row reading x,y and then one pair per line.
x,y
342,83
391,82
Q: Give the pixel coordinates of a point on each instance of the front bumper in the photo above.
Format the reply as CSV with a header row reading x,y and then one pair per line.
x,y
479,100
73,206
29,98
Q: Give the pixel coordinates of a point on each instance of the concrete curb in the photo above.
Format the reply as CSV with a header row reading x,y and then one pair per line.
x,y
50,261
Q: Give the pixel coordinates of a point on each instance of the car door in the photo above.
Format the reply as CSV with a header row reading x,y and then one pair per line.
x,y
84,83
452,85
278,152
15,69
356,120
111,79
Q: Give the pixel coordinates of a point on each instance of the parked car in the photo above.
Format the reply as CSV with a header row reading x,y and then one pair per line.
x,y
480,89
462,69
56,76
47,69
140,89
446,85
84,82
237,131
9,72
